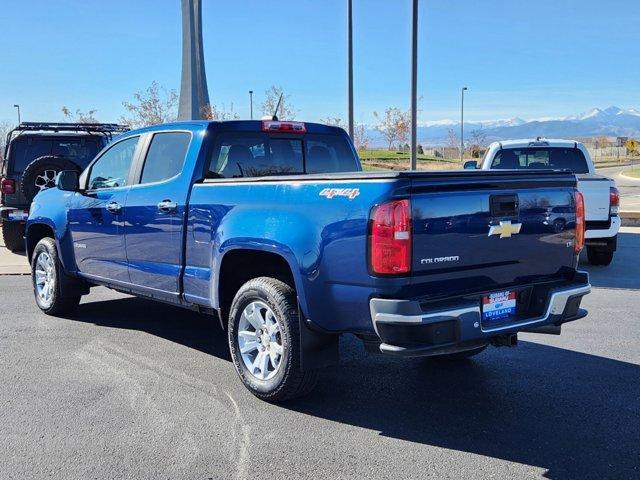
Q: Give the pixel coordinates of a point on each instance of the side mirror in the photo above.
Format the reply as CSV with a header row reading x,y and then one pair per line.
x,y
470,165
68,181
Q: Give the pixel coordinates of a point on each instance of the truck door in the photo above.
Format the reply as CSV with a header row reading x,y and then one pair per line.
x,y
155,213
96,215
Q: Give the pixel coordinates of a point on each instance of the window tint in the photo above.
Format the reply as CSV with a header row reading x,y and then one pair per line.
x,y
537,157
255,155
112,168
247,154
80,151
329,154
165,156
25,151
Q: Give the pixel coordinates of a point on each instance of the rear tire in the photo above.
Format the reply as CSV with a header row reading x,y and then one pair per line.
x,y
598,256
264,325
13,236
55,292
458,356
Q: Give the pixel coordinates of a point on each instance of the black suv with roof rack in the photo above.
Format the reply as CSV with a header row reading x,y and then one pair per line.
x,y
35,153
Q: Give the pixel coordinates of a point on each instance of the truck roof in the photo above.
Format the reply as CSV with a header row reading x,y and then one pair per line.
x,y
255,125
540,141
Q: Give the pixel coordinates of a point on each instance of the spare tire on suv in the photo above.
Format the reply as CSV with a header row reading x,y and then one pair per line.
x,y
41,174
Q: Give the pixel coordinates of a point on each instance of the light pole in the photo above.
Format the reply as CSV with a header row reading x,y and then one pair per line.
x,y
462,124
18,107
414,86
251,102
350,65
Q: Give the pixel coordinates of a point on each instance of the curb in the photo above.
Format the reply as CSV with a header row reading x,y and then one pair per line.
x,y
626,177
630,219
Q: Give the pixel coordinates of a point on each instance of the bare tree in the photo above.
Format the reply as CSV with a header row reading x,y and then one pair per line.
x,y
477,142
394,125
360,137
452,139
153,106
602,142
79,116
5,128
333,121
211,112
286,111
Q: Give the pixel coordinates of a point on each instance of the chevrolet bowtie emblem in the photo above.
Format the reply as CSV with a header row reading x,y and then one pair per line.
x,y
505,229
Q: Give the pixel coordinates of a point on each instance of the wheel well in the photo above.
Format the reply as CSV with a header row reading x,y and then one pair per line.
x,y
240,266
36,233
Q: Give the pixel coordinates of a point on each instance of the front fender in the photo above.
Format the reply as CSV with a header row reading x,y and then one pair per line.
x,y
50,208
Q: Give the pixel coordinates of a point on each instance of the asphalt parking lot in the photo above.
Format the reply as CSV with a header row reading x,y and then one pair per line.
x,y
132,389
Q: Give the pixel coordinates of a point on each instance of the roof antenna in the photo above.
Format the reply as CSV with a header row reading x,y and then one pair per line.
x,y
275,114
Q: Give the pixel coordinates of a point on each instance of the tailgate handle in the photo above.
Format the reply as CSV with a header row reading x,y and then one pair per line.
x,y
504,205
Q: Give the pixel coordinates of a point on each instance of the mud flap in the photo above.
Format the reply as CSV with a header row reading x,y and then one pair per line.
x,y
318,349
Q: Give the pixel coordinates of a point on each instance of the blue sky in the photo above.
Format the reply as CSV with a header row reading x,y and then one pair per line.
x,y
519,58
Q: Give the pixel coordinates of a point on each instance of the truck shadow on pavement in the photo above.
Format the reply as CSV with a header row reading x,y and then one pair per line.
x,y
624,271
573,414
191,329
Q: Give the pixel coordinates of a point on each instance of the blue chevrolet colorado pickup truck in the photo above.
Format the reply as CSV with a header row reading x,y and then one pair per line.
x,y
273,227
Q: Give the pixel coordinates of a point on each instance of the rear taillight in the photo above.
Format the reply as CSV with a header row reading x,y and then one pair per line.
x,y
277,126
8,186
390,239
614,201
579,243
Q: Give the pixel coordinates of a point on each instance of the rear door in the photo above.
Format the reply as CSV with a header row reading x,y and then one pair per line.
x,y
96,215
155,213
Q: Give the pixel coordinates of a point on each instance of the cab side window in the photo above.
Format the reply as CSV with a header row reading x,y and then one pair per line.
x,y
165,157
112,168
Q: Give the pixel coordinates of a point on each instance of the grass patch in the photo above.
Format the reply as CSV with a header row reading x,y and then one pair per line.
x,y
634,172
376,160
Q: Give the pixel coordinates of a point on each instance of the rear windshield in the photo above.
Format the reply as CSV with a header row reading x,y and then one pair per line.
x,y
256,154
25,150
541,157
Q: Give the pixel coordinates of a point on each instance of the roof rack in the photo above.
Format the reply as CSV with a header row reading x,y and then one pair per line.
x,y
71,127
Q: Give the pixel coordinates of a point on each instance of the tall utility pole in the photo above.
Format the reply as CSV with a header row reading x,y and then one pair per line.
x,y
194,95
251,102
414,87
18,107
350,65
462,124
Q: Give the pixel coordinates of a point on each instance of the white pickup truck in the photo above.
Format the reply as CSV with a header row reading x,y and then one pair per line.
x,y
601,196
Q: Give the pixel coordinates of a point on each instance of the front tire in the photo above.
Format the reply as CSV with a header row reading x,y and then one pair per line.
x,y
56,294
13,236
598,256
264,340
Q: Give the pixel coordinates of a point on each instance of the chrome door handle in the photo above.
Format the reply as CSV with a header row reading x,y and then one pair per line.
x,y
114,207
167,206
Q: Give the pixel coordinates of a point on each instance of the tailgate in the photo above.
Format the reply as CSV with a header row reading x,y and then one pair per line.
x,y
595,190
456,250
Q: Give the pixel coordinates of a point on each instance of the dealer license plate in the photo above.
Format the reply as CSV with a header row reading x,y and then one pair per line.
x,y
498,307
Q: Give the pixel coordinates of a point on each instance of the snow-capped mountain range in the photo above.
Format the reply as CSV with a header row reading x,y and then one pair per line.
x,y
611,122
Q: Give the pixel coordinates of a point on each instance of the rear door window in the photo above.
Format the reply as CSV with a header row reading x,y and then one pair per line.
x,y
165,157
541,157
